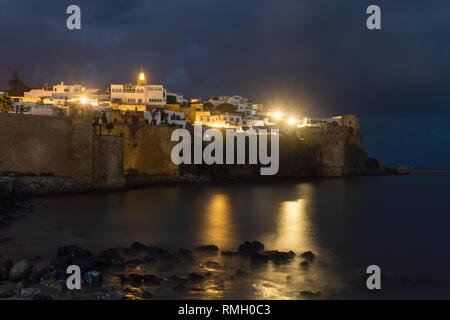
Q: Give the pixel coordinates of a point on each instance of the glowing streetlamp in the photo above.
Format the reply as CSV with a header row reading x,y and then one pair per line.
x,y
83,100
277,115
292,121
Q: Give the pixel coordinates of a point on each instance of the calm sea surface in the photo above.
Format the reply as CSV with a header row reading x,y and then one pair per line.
x,y
401,223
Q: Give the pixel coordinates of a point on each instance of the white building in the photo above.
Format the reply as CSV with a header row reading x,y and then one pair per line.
x,y
249,122
231,118
236,100
38,109
170,117
140,93
62,93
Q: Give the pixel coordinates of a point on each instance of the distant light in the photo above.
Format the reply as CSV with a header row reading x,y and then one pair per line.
x,y
277,115
83,100
292,121
142,76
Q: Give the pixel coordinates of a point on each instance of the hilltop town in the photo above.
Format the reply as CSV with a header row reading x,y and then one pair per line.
x,y
159,106
122,136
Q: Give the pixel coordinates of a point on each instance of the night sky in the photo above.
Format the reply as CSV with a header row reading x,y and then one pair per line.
x,y
314,57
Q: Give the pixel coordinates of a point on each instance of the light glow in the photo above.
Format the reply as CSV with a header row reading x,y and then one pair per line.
x,y
292,121
83,100
277,115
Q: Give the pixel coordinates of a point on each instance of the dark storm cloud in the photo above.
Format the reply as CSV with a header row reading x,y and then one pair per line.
x,y
316,57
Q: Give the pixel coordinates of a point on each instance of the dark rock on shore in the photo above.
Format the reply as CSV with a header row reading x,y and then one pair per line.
x,y
37,273
60,262
180,280
207,248
8,264
135,280
133,263
146,295
112,296
309,294
185,253
166,256
251,247
304,264
151,279
99,270
230,253
279,257
148,259
4,272
179,287
72,251
308,255
109,258
86,264
20,270
195,276
259,257
24,186
93,278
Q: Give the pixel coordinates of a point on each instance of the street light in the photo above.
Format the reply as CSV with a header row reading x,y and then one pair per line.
x,y
277,115
292,121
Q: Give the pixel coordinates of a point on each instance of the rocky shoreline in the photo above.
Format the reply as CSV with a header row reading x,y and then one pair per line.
x,y
21,186
143,272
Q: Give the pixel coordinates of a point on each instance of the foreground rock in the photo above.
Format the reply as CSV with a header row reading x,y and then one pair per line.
x,y
208,248
20,270
251,247
24,186
139,271
308,255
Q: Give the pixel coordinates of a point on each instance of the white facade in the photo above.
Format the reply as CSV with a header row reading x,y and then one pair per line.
x,y
72,93
236,100
171,117
138,94
253,122
37,108
74,89
231,118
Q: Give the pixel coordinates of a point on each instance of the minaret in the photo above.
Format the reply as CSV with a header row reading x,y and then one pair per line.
x,y
142,79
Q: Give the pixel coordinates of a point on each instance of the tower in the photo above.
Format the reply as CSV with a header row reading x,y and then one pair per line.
x,y
142,79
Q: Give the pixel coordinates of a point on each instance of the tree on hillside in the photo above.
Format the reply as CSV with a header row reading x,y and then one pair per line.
x,y
5,104
226,107
16,86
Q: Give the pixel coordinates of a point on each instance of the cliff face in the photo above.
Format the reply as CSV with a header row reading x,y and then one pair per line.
x,y
332,151
338,148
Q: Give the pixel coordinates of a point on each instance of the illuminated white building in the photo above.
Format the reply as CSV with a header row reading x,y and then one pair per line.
x,y
140,93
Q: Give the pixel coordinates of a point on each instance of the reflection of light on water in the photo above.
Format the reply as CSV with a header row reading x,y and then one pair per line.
x,y
269,290
292,226
216,223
